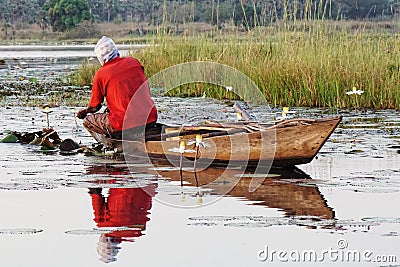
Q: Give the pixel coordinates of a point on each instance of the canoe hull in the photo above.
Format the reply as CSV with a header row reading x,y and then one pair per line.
x,y
288,143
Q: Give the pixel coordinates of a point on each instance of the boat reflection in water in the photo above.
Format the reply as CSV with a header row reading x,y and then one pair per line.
x,y
273,191
124,211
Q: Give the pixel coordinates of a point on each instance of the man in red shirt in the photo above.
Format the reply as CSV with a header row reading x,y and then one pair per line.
x,y
121,81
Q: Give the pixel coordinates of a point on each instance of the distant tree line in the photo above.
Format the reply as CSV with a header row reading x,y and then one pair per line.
x,y
63,15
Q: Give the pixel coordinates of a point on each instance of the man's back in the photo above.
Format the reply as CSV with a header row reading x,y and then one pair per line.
x,y
121,81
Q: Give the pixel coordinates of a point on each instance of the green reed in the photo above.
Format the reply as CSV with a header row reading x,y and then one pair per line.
x,y
84,75
314,66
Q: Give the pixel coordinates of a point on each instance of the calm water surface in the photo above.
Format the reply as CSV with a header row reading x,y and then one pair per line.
x,y
82,210
79,210
46,63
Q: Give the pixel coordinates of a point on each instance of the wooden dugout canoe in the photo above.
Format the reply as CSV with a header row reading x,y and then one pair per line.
x,y
284,143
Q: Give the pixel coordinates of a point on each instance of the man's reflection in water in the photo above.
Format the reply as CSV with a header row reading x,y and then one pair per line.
x,y
122,207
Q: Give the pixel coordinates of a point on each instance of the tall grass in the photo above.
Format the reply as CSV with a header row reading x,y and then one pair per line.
x,y
312,67
85,74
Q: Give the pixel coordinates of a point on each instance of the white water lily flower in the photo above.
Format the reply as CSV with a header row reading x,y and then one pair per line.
x,y
199,139
182,147
355,92
110,152
199,142
284,113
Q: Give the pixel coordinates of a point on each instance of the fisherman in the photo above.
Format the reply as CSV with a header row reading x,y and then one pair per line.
x,y
122,82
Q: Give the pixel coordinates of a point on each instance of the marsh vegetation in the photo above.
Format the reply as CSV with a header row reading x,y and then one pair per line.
x,y
313,64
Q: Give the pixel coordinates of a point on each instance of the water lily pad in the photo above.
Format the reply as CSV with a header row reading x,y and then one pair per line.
x,y
264,221
376,190
9,139
396,234
249,224
36,141
29,172
320,183
270,220
20,231
258,175
382,219
68,145
22,186
347,224
116,184
213,218
99,231
354,151
202,224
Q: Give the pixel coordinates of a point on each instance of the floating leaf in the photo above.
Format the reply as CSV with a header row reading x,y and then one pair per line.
x,y
213,218
9,139
376,190
36,141
381,219
248,224
20,231
354,151
23,187
392,234
258,175
203,224
97,231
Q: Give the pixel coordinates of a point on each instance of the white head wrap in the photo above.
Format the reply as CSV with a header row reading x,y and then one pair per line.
x,y
106,50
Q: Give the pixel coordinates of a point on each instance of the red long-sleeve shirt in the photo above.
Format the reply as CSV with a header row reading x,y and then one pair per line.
x,y
123,83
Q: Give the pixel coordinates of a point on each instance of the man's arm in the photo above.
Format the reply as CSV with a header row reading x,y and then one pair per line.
x,y
82,113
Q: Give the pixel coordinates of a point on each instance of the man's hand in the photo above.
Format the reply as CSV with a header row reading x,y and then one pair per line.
x,y
82,113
